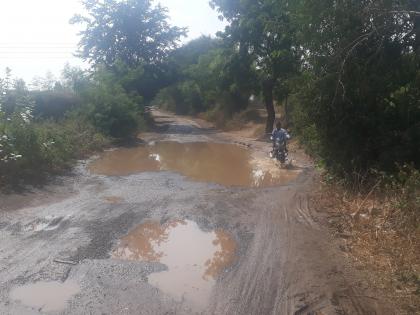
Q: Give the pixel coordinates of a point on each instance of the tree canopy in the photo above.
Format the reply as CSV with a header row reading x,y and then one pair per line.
x,y
263,30
133,31
359,88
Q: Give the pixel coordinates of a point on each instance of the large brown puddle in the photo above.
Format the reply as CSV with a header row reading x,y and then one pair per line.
x,y
46,296
194,258
225,164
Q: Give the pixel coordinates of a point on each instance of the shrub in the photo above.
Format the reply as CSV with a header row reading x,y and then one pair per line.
x,y
30,150
54,104
111,109
170,98
66,126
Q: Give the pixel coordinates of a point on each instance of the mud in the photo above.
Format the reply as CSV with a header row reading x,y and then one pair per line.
x,y
113,199
46,296
193,258
226,164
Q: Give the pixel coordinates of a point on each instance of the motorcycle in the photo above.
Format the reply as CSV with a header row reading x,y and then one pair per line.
x,y
279,151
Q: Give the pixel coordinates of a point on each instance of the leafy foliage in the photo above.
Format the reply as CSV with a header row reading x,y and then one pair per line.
x,y
209,75
360,84
110,108
263,31
132,31
30,149
54,104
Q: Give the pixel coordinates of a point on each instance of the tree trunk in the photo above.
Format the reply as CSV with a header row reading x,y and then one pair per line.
x,y
286,112
267,88
416,47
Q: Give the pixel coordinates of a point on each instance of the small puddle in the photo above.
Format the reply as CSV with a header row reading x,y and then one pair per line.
x,y
225,164
194,258
46,296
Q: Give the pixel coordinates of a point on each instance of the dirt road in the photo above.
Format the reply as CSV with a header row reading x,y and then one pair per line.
x,y
170,236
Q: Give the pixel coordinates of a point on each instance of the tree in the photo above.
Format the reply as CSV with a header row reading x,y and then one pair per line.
x,y
190,53
209,75
262,29
359,96
20,85
132,31
6,82
46,83
74,78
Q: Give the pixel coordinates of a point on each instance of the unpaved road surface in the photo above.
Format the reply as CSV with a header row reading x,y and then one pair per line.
x,y
118,239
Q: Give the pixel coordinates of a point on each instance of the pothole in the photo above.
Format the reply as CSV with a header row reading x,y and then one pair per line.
x,y
194,258
225,164
46,296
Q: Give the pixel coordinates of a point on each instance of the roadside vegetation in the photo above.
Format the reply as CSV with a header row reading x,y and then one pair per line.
x,y
46,126
38,138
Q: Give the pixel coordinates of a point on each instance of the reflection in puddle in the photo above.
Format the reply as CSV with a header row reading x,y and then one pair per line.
x,y
46,296
220,163
194,258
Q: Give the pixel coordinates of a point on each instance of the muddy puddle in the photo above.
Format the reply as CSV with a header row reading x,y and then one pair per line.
x,y
194,258
225,164
46,296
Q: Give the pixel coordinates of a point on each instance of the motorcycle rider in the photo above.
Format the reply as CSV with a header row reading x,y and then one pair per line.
x,y
281,135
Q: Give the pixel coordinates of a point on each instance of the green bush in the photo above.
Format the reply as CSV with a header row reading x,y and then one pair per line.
x,y
44,132
304,126
111,109
30,150
360,85
182,98
170,98
54,104
208,76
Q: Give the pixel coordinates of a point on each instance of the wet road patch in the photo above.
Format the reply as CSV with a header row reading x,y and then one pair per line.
x,y
46,296
194,258
48,223
225,164
113,199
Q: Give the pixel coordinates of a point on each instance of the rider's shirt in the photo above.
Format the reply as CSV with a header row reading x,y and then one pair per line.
x,y
280,134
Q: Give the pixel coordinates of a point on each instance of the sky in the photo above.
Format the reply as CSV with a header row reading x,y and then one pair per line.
x,y
36,37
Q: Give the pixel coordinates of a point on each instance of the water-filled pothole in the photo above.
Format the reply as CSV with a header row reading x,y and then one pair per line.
x,y
46,296
194,258
225,164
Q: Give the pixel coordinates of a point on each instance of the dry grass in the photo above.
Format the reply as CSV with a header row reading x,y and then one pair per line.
x,y
374,230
